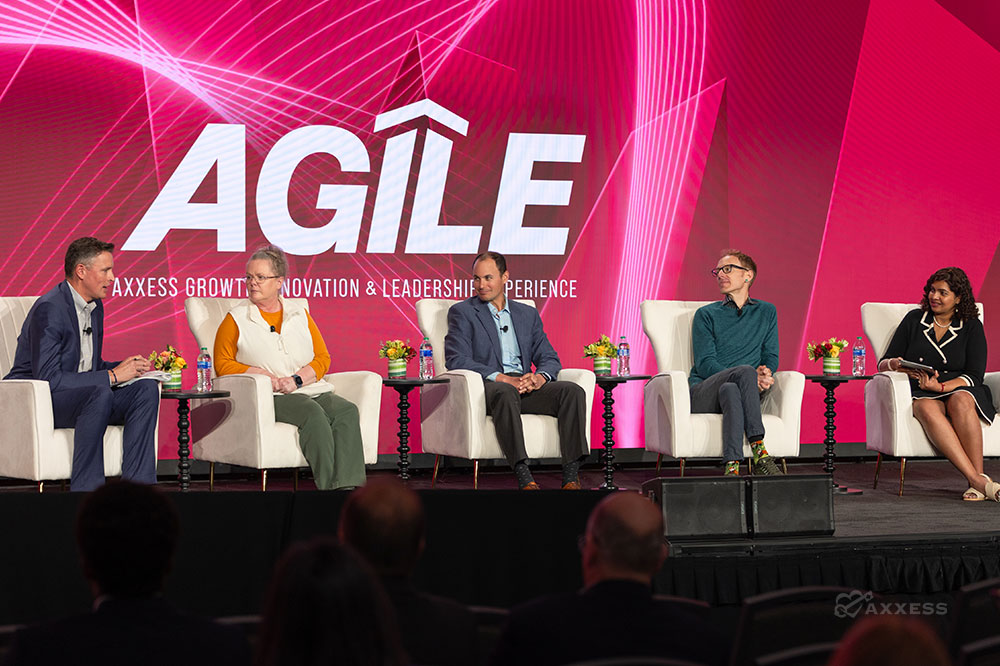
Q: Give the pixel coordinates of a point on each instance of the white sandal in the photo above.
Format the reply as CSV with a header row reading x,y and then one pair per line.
x,y
973,495
992,488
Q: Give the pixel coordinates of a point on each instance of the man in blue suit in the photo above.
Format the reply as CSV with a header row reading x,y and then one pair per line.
x,y
502,340
61,342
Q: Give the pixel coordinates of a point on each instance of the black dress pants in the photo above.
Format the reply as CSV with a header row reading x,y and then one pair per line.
x,y
564,400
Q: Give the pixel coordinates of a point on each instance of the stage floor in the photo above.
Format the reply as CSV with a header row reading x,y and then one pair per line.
x,y
931,503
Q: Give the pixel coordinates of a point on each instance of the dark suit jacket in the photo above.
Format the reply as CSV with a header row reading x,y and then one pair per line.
x,y
610,619
130,632
434,630
473,344
48,347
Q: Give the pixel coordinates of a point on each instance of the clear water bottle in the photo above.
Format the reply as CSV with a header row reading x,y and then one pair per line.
x,y
204,371
623,357
426,360
858,354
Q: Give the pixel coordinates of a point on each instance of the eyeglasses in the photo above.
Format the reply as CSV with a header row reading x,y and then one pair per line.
x,y
259,278
727,269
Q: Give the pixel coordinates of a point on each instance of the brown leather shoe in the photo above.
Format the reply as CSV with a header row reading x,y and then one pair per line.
x,y
572,485
531,486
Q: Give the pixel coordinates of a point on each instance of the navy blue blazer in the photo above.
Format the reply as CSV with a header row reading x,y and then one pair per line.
x,y
48,347
472,342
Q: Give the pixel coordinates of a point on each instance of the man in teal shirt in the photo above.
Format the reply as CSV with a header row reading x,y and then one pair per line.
x,y
735,357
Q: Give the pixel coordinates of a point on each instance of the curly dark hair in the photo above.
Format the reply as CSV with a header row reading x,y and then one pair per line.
x,y
958,282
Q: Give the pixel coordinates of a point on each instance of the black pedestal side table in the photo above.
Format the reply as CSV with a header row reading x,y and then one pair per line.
x,y
830,383
608,384
184,425
403,386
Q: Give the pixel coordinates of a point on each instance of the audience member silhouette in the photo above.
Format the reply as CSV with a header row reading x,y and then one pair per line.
x,y
890,640
325,606
127,534
615,614
384,522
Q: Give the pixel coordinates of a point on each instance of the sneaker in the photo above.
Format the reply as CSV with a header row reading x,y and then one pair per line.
x,y
732,468
766,466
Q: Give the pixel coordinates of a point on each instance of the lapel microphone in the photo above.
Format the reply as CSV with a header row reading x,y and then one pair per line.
x,y
88,330
273,330
504,328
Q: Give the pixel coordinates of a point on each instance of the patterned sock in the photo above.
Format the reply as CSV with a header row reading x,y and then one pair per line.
x,y
523,474
758,450
733,468
571,472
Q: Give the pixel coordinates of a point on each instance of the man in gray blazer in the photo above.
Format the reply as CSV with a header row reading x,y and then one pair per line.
x,y
502,340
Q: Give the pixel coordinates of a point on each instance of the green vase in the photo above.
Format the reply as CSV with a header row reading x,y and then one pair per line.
x,y
174,383
602,365
397,368
831,365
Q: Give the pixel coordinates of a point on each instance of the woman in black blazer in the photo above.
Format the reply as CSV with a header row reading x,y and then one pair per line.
x,y
947,335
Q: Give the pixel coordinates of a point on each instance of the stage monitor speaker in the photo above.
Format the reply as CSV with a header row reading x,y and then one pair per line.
x,y
700,507
793,505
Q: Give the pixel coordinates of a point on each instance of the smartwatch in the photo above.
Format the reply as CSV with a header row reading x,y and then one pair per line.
x,y
298,381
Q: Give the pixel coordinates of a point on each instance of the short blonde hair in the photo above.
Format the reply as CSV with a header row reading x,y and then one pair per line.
x,y
279,262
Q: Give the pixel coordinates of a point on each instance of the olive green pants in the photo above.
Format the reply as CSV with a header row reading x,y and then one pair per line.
x,y
329,435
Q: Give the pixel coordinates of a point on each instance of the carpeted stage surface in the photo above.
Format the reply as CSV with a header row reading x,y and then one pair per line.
x,y
498,547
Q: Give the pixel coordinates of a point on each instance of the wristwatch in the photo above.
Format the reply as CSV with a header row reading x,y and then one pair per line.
x,y
298,381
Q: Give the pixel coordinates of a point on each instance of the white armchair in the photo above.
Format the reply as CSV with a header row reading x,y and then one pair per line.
x,y
241,429
671,428
890,427
453,420
31,447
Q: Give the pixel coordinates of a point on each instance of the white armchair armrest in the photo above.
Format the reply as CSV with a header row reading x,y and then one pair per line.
x,y
453,414
221,428
364,389
784,400
888,407
26,413
667,405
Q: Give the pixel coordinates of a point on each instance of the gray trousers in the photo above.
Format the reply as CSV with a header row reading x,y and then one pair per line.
x,y
564,400
733,393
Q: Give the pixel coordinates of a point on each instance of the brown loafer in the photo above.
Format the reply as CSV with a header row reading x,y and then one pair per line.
x,y
531,486
572,485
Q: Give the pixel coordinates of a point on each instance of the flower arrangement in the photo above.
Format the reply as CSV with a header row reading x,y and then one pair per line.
x,y
167,360
825,349
396,349
603,348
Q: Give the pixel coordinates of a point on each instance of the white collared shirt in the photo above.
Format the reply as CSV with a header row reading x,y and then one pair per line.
x,y
83,312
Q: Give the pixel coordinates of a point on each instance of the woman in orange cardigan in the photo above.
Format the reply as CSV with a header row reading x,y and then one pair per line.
x,y
268,336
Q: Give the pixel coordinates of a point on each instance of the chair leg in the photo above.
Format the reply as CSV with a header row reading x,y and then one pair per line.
x,y
682,466
659,460
434,476
784,466
475,475
263,480
878,466
211,476
902,473
41,485
295,480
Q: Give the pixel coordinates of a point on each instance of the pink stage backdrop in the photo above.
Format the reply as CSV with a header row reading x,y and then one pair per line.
x,y
610,150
